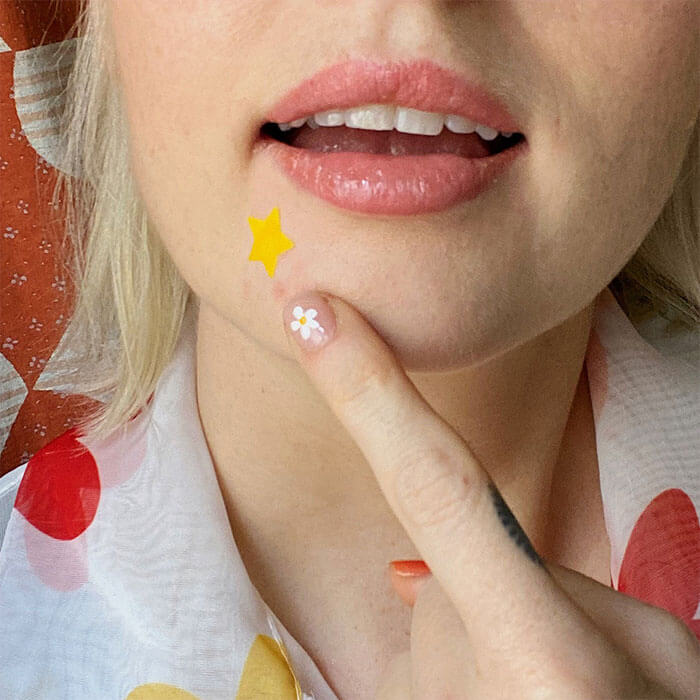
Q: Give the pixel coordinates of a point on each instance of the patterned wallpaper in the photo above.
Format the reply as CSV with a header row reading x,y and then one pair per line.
x,y
35,295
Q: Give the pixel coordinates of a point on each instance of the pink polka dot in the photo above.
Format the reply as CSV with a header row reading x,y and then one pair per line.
x,y
121,454
60,564
60,489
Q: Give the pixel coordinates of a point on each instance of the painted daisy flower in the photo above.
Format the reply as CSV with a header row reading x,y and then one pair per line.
x,y
305,321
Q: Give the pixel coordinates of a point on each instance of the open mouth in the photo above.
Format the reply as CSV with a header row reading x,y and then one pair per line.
x,y
388,141
392,138
383,159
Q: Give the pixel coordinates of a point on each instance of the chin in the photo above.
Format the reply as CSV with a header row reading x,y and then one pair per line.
x,y
444,348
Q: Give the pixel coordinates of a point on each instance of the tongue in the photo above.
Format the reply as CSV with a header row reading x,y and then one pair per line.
x,y
343,138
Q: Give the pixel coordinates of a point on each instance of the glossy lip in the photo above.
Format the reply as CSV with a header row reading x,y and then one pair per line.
x,y
381,184
420,84
378,184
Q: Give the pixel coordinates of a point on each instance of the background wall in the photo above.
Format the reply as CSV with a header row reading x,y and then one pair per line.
x,y
35,297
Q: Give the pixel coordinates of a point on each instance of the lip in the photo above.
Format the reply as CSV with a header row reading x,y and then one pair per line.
x,y
382,184
418,84
395,185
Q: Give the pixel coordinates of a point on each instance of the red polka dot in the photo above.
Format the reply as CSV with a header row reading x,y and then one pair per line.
x,y
662,559
60,489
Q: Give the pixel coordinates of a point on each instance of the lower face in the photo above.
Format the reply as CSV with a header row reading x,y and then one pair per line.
x,y
604,93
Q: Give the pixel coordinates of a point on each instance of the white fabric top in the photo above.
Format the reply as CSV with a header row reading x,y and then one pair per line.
x,y
120,577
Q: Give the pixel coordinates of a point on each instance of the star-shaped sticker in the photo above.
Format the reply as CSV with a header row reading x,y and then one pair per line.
x,y
269,241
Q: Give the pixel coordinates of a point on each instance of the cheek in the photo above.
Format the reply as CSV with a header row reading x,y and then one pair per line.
x,y
612,69
291,270
280,289
632,66
184,108
189,68
620,100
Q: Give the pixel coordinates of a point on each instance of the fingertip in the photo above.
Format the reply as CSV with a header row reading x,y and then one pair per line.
x,y
408,577
310,320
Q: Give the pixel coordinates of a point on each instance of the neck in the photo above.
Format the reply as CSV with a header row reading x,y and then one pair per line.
x,y
283,459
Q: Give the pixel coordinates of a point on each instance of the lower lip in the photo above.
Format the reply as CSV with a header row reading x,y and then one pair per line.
x,y
383,184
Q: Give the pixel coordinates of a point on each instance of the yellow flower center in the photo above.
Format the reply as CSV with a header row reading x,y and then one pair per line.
x,y
302,320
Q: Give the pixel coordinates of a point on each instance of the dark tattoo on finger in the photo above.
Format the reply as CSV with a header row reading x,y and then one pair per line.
x,y
512,526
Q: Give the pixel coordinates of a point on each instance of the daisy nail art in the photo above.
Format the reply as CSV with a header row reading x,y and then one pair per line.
x,y
304,321
310,320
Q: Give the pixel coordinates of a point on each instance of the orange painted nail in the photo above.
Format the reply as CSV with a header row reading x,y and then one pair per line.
x,y
410,567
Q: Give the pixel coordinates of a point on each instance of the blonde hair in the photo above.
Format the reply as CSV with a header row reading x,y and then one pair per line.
x,y
130,297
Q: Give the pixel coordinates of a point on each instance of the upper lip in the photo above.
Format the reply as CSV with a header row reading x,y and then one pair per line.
x,y
420,84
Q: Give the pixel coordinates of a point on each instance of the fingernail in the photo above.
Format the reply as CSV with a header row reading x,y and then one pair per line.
x,y
310,320
410,567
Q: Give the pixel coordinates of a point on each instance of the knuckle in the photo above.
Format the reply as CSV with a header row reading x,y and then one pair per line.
x,y
431,487
364,379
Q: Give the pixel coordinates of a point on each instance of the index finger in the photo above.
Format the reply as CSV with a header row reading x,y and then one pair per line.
x,y
440,493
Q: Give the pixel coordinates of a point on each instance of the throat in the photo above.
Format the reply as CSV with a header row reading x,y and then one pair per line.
x,y
577,533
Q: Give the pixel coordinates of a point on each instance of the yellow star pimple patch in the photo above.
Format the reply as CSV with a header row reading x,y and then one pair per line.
x,y
268,240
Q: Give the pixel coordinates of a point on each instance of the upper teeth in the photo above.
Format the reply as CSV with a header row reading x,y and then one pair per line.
x,y
387,117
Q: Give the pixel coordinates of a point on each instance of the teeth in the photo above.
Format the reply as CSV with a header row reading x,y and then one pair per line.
x,y
378,117
374,117
460,125
486,132
414,121
331,118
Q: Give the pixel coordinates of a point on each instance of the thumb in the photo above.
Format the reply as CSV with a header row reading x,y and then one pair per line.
x,y
408,576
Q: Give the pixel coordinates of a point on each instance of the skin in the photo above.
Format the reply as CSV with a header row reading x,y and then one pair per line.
x,y
493,620
491,301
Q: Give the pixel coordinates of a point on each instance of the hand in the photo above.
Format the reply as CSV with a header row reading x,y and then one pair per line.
x,y
493,620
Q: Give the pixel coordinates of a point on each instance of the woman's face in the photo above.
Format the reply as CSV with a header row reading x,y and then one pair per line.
x,y
605,92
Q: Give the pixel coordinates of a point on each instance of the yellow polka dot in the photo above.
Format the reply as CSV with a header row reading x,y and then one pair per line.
x,y
159,691
267,673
